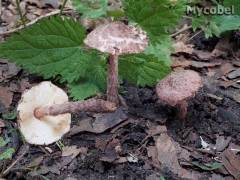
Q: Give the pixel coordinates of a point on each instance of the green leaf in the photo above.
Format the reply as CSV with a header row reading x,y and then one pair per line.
x,y
161,49
7,154
227,23
54,47
208,166
51,47
3,142
91,8
142,69
233,3
79,91
155,16
10,115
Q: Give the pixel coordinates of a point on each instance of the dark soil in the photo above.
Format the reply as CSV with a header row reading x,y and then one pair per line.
x,y
207,117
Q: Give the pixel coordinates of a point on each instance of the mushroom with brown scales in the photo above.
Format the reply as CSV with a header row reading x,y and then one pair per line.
x,y
117,39
177,88
44,113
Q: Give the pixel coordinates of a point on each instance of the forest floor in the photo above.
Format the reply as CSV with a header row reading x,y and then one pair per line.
x,y
144,139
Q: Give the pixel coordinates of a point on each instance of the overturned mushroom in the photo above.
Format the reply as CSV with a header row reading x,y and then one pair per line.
x,y
44,113
116,39
177,88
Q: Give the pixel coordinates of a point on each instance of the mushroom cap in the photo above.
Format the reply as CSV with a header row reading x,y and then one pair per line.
x,y
117,38
48,129
178,86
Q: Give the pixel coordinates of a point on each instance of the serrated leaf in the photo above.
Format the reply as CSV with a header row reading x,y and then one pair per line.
x,y
233,3
51,47
80,91
142,69
91,8
161,49
154,16
7,154
227,23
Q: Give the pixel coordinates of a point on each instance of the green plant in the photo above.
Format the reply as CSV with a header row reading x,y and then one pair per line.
x,y
53,48
215,25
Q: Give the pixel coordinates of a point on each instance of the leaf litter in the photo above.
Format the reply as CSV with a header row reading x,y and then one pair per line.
x,y
122,145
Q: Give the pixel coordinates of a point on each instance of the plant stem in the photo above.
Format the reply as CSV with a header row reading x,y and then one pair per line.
x,y
90,105
112,83
63,5
20,12
182,109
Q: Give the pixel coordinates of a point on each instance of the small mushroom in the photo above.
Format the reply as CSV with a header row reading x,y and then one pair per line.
x,y
44,113
177,88
116,38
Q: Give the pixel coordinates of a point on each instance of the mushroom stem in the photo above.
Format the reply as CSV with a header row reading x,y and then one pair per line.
x,y
90,105
112,82
182,108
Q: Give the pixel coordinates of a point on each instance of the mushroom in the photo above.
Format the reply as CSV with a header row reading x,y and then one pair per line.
x,y
177,88
44,113
117,39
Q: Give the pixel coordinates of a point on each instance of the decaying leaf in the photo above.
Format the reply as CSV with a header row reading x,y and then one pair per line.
x,y
235,74
231,162
101,123
6,96
168,152
181,47
72,151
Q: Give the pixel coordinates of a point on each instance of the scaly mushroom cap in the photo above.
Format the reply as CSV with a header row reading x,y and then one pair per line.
x,y
178,86
117,38
48,129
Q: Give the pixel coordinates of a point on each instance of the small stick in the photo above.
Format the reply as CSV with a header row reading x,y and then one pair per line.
x,y
20,12
90,105
21,153
64,3
31,23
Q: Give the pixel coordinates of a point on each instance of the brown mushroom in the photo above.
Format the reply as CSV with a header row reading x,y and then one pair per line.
x,y
44,112
177,88
116,39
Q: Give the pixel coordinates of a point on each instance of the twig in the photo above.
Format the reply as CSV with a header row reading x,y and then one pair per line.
x,y
181,31
22,152
196,34
20,12
64,3
31,23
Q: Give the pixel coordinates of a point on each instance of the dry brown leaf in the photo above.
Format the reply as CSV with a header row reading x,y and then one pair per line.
x,y
235,74
72,151
181,47
6,96
181,63
168,153
227,68
197,64
231,161
101,123
45,3
7,70
202,55
2,125
35,162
